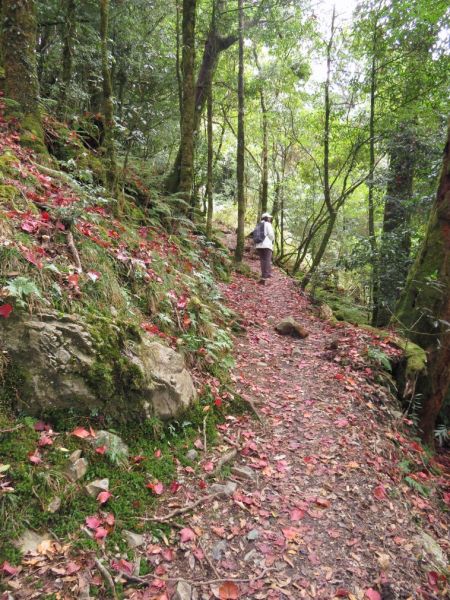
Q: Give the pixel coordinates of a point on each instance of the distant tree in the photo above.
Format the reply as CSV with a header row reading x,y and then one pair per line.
x,y
240,157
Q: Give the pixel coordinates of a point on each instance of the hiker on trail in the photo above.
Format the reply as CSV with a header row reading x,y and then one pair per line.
x,y
264,237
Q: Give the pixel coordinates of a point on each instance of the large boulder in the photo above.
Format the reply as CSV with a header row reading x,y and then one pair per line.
x,y
59,363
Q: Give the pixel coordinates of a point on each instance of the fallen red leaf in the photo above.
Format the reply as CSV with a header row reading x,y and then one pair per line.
x,y
80,432
5,310
103,497
93,522
35,457
372,594
157,487
380,492
122,566
8,569
229,591
187,535
101,449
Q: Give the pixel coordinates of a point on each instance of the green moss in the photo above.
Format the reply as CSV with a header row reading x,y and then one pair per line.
x,y
8,192
14,384
344,309
32,134
416,357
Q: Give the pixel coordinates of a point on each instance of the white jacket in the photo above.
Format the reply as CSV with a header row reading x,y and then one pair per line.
x,y
270,236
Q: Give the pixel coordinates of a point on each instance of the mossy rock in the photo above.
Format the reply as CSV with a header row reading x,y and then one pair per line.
x,y
67,366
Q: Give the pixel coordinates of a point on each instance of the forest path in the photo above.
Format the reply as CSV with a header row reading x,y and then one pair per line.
x,y
322,512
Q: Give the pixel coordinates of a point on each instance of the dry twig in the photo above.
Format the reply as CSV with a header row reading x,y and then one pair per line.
x,y
182,510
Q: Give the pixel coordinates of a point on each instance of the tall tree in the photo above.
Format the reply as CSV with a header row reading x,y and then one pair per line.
x,y
240,156
67,55
210,160
18,36
187,115
396,235
424,308
108,107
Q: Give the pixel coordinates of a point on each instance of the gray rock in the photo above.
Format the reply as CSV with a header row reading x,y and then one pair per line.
x,y
63,364
289,326
433,551
55,352
242,472
191,454
170,389
326,313
29,541
54,505
75,456
183,591
95,487
134,540
77,470
253,535
218,549
225,491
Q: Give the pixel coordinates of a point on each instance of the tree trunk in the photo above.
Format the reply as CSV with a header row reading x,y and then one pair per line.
x,y
178,61
371,185
240,159
209,175
108,109
214,45
18,20
395,240
67,56
321,251
326,164
187,115
424,307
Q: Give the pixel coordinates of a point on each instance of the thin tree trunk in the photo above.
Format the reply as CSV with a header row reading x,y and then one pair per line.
x,y
321,251
209,179
240,159
424,307
326,164
187,115
264,191
18,22
177,60
371,185
67,56
108,108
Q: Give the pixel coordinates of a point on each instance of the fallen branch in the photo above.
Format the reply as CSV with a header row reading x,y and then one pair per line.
x,y
107,577
208,560
226,458
180,511
254,410
74,251
145,580
11,429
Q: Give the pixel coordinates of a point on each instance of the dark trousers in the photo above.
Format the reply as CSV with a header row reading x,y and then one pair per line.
x,y
265,259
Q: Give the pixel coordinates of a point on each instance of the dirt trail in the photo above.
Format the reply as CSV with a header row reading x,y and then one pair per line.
x,y
325,514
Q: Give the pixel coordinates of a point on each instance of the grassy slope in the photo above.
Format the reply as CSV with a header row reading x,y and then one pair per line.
x,y
145,272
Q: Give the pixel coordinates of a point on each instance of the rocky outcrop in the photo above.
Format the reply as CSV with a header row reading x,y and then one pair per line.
x,y
58,362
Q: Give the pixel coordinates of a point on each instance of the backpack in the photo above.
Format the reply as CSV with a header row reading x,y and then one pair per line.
x,y
258,234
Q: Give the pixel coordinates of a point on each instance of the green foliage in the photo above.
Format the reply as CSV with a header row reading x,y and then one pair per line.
x,y
379,358
23,289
